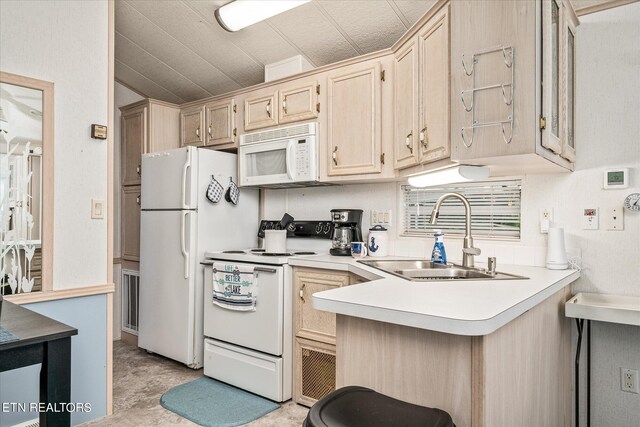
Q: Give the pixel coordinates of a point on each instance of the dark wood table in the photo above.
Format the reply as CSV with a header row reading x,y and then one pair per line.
x,y
40,340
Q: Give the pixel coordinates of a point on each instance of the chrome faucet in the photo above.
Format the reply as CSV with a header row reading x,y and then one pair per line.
x,y
468,251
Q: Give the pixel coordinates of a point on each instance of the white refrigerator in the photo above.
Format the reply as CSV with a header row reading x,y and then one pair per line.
x,y
178,224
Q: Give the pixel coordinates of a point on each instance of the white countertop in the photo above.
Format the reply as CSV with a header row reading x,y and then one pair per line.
x,y
470,307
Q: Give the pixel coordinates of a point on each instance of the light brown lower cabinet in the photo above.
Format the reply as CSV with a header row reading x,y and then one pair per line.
x,y
519,375
314,366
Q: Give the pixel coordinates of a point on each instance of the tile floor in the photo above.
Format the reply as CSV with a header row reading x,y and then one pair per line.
x,y
139,379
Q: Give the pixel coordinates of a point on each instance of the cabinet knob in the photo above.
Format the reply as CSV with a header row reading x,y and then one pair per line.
x,y
210,131
139,170
198,131
284,105
269,108
334,155
408,142
423,137
302,293
138,199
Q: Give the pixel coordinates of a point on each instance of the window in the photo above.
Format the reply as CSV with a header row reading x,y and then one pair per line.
x,y
495,210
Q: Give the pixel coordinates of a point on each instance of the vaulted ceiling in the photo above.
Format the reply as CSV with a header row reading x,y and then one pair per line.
x,y
174,50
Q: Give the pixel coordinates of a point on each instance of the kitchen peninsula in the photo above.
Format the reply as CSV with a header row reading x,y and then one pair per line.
x,y
472,348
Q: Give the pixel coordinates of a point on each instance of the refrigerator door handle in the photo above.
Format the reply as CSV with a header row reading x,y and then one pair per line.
x,y
187,165
183,245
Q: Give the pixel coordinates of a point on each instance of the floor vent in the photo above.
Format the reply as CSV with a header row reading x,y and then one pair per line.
x,y
130,301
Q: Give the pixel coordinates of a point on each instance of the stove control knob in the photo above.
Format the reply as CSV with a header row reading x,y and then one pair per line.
x,y
319,228
326,228
291,226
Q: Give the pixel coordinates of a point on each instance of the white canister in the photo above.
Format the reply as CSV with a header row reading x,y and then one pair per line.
x,y
275,241
378,241
556,253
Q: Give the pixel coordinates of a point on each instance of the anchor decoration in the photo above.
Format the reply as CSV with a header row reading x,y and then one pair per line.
x,y
373,247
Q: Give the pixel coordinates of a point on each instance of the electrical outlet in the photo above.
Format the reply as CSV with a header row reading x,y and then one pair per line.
x,y
380,217
614,219
546,216
374,216
629,380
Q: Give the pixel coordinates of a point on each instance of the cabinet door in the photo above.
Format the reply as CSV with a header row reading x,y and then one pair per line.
x,y
261,111
130,223
220,122
568,139
354,120
314,370
406,106
191,126
308,322
551,74
134,141
434,135
299,103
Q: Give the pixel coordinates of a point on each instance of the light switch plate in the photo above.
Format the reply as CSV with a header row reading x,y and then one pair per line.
x,y
97,209
613,219
590,219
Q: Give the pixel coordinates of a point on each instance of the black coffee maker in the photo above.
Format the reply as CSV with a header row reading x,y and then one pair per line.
x,y
346,229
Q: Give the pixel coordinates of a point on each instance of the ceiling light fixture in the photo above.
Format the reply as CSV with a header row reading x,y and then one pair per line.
x,y
239,14
450,175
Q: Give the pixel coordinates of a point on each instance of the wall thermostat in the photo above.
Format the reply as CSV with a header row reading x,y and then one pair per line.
x,y
616,178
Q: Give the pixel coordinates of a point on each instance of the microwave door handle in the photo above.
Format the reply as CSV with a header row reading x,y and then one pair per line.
x,y
289,155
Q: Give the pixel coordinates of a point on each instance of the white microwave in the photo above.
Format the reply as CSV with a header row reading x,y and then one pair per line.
x,y
279,158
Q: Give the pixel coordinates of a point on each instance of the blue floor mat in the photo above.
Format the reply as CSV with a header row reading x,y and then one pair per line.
x,y
210,403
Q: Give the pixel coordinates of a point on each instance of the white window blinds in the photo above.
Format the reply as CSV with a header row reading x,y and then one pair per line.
x,y
495,209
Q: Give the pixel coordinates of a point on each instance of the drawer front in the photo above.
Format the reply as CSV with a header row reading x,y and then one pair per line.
x,y
249,370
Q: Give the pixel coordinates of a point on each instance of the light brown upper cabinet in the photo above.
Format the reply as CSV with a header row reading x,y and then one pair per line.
x,y
192,128
353,138
299,102
134,143
568,137
146,126
261,111
221,124
422,95
506,114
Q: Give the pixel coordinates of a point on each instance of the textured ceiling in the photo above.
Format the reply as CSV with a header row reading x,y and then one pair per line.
x,y
175,50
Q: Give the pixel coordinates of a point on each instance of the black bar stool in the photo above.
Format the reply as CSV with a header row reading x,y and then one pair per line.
x,y
355,406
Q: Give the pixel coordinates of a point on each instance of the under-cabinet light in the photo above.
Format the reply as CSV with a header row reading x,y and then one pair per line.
x,y
450,175
239,14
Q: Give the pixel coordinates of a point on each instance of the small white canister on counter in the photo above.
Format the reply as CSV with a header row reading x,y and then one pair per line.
x,y
378,241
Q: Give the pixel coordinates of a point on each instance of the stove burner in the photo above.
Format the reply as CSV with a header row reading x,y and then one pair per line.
x,y
257,250
304,253
232,252
276,254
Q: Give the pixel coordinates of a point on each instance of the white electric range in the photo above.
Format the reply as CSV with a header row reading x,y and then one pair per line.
x,y
253,350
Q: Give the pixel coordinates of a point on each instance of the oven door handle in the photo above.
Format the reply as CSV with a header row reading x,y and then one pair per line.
x,y
260,269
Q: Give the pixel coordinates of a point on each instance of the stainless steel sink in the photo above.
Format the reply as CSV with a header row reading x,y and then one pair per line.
x,y
420,270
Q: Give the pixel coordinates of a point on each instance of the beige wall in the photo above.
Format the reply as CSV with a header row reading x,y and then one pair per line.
x,y
65,42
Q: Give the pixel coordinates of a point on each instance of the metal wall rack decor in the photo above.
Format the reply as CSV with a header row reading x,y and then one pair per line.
x,y
507,90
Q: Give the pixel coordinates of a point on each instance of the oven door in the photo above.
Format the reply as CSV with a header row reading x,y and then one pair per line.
x,y
261,329
267,163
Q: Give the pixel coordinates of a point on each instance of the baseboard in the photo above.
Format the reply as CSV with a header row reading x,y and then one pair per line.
x,y
129,338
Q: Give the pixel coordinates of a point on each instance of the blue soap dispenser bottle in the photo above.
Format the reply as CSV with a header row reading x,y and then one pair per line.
x,y
438,255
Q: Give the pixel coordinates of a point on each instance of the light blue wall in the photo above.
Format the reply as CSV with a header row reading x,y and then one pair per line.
x,y
88,360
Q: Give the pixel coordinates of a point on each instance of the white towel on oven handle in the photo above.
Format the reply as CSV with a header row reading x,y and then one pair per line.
x,y
234,288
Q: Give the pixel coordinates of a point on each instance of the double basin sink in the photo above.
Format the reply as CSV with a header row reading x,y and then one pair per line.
x,y
421,271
